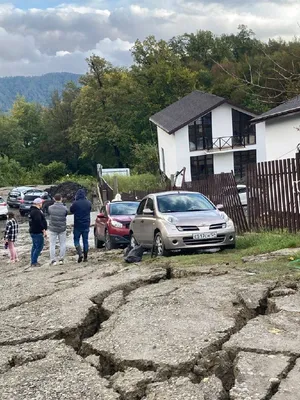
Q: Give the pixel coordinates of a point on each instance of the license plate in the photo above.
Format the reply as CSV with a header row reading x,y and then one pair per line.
x,y
205,235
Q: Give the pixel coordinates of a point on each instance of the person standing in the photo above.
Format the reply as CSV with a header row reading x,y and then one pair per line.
x,y
37,230
57,229
81,208
10,236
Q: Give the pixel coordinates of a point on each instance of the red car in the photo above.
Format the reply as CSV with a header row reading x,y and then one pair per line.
x,y
112,224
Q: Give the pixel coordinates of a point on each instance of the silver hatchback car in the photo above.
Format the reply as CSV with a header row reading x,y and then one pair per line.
x,y
180,220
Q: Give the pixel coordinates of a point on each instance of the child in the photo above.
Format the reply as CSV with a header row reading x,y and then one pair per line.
x,y
10,236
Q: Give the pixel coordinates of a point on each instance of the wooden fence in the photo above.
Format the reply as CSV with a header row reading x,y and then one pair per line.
x,y
220,189
273,195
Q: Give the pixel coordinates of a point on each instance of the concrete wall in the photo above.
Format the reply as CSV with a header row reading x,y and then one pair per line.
x,y
261,142
282,137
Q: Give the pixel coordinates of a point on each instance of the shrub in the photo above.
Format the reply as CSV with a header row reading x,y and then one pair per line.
x,y
52,172
11,172
131,183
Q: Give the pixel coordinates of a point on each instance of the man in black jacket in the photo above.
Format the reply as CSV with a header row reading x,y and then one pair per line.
x,y
81,208
38,230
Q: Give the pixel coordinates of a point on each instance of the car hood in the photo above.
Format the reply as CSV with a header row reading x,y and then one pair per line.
x,y
198,218
122,218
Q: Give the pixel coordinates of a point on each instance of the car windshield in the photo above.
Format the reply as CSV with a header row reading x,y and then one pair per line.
x,y
183,202
122,208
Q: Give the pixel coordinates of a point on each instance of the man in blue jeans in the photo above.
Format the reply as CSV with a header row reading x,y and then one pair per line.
x,y
37,230
81,208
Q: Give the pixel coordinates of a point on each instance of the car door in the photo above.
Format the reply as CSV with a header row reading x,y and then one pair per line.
x,y
148,224
101,222
138,221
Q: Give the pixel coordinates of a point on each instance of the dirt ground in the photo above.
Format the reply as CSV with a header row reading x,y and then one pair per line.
x,y
109,330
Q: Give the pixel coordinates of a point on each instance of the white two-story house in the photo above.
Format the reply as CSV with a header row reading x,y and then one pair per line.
x,y
207,135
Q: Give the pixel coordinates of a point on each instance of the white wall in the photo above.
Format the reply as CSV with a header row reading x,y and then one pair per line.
x,y
167,142
261,142
223,162
183,152
222,121
282,137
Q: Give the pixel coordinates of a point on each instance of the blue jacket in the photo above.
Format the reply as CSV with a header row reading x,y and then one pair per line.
x,y
81,208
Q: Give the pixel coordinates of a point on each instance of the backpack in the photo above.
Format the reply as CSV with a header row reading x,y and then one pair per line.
x,y
133,254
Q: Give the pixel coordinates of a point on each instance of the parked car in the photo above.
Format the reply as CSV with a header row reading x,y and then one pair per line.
x,y
242,189
30,196
3,208
181,220
16,195
112,224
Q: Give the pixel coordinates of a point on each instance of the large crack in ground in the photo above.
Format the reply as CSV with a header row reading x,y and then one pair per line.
x,y
214,360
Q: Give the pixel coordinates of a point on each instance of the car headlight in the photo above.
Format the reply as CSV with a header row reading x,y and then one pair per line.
x,y
116,224
169,218
228,221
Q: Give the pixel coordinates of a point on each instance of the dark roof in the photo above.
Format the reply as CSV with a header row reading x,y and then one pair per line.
x,y
186,110
289,107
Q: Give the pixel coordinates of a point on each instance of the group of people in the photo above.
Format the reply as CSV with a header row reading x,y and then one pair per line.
x,y
39,229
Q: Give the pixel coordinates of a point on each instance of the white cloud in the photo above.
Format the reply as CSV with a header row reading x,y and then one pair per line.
x,y
36,41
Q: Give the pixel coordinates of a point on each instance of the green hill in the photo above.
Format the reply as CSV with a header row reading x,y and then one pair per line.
x,y
33,88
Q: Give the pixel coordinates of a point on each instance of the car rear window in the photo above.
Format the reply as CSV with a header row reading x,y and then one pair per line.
x,y
32,196
181,202
123,208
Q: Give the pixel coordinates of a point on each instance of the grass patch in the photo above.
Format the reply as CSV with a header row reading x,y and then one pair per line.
x,y
251,244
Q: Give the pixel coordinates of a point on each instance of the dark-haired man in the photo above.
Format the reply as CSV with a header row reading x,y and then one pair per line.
x,y
57,229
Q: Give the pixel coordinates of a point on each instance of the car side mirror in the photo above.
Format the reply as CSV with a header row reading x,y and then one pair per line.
x,y
220,207
147,211
100,215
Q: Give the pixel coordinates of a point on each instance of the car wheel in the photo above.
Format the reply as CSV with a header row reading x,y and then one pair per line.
x,y
98,243
108,243
133,241
159,245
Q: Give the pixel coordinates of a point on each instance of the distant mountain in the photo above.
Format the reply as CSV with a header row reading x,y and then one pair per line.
x,y
34,88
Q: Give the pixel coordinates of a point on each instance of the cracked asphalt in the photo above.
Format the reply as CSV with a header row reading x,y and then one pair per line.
x,y
109,330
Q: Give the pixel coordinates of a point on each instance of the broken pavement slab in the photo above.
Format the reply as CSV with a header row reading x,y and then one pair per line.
x,y
169,326
256,375
72,313
174,389
273,333
287,303
132,383
289,388
62,374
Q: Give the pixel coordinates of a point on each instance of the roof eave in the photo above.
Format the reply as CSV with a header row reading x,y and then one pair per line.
x,y
255,121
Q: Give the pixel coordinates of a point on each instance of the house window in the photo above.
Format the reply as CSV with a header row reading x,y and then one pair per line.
x,y
163,160
200,133
241,160
243,132
202,166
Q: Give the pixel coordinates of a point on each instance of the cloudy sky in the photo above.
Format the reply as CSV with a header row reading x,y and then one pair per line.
x,y
40,36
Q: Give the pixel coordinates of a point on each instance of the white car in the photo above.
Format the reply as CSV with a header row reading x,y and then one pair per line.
x,y
242,189
3,208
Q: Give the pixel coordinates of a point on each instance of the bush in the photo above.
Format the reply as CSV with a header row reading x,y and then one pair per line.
x,y
52,172
11,172
131,183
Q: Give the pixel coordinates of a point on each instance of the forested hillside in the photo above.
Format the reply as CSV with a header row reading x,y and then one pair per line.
x,y
106,119
34,88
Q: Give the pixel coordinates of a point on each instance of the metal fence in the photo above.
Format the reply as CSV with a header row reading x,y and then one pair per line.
x,y
273,195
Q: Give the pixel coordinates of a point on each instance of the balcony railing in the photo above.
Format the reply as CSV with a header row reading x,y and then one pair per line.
x,y
229,142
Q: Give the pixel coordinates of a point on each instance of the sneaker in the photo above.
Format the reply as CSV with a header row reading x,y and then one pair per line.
x,y
53,263
61,262
35,265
